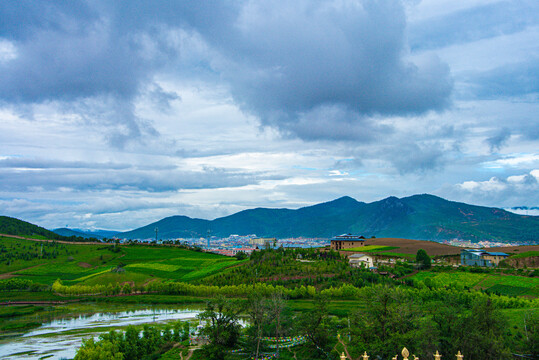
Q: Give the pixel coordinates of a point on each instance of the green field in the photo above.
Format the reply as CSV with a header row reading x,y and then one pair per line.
x,y
382,250
372,248
447,278
92,264
396,254
511,285
525,254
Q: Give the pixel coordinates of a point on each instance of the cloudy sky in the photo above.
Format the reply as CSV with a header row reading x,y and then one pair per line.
x,y
114,114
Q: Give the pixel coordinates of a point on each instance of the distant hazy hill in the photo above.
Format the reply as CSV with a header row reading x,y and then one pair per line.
x,y
96,234
12,226
424,217
170,228
72,232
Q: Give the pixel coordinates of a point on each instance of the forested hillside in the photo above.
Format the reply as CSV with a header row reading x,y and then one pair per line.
x,y
12,226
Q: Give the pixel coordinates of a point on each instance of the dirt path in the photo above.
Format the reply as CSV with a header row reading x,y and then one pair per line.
x,y
190,353
10,274
409,275
148,281
478,285
58,241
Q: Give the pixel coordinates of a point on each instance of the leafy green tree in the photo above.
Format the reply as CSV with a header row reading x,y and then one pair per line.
x,y
185,331
131,346
478,332
276,305
101,350
240,255
390,320
423,259
222,327
316,326
532,334
257,311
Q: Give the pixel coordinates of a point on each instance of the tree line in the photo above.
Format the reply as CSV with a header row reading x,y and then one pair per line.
x,y
390,319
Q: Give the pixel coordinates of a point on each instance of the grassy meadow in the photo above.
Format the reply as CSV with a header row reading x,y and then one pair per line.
x,y
81,264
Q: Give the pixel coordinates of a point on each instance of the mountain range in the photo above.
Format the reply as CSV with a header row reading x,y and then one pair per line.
x,y
422,217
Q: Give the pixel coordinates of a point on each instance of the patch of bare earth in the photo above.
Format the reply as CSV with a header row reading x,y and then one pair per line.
x,y
148,281
515,249
409,246
85,265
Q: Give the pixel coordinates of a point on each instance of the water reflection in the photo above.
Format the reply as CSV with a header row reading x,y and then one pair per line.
x,y
60,338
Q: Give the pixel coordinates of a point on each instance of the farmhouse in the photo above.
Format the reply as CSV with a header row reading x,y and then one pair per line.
x,y
361,260
481,257
347,241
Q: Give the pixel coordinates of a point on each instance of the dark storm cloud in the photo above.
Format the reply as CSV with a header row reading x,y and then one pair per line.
x,y
414,158
530,130
297,58
57,164
511,80
499,139
72,64
282,61
162,98
474,24
25,163
348,164
20,19
74,178
74,49
335,123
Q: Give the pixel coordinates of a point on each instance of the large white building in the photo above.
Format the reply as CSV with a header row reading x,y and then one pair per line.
x,y
361,260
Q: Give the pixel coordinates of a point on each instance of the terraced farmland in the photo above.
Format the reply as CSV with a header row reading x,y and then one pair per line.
x,y
105,264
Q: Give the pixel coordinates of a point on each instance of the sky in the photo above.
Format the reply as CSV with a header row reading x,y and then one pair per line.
x,y
115,114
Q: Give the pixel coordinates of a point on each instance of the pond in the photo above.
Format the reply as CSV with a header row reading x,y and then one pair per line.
x,y
60,337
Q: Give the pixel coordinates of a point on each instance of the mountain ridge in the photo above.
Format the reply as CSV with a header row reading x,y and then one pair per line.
x,y
422,216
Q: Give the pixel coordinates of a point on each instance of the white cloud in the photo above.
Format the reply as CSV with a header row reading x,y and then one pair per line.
x,y
8,50
493,184
515,160
516,179
514,190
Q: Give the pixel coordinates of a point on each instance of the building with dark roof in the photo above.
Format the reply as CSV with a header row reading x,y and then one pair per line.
x,y
347,241
480,257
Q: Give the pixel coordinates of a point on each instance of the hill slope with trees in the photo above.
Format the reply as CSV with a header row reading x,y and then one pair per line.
x,y
13,226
